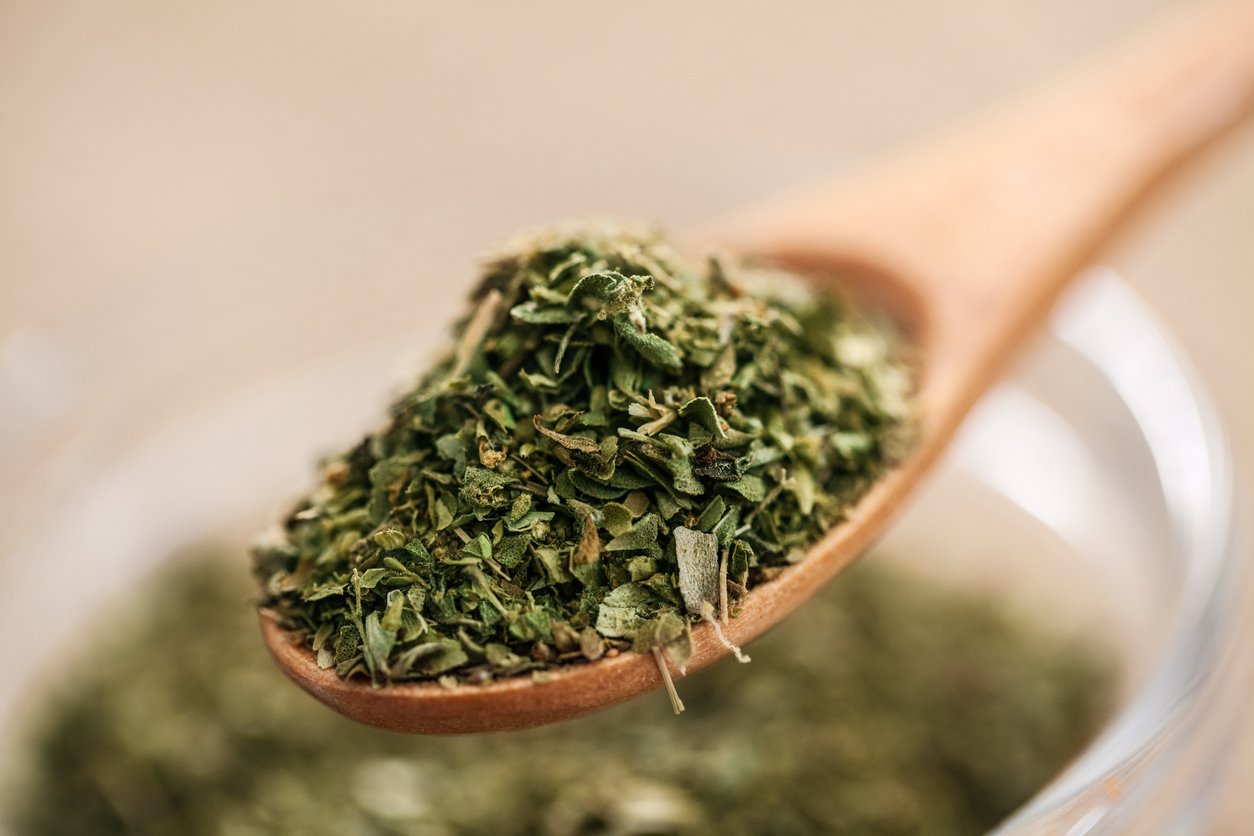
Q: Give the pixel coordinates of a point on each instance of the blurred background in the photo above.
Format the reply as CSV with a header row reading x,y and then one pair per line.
x,y
319,175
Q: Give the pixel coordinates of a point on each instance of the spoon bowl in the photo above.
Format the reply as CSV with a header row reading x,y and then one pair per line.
x,y
967,242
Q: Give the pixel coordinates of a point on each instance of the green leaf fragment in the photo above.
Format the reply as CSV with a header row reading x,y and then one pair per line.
x,y
852,445
697,555
640,537
371,577
432,658
512,551
701,411
668,631
654,349
595,488
570,442
378,643
616,518
750,487
624,610
609,293
485,489
389,538
421,557
535,314
711,514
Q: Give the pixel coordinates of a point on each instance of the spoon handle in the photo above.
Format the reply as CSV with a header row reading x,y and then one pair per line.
x,y
978,234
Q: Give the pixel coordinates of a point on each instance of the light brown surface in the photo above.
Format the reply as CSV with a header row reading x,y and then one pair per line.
x,y
382,147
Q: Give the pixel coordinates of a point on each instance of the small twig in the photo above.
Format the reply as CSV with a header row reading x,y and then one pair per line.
x,y
722,588
676,703
707,615
475,331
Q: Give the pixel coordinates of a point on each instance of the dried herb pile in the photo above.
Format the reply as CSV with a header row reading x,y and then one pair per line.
x,y
883,707
621,442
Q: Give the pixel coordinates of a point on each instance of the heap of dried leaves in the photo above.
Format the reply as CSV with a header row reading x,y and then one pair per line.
x,y
621,442
892,706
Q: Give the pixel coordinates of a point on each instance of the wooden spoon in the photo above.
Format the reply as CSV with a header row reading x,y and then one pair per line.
x,y
969,241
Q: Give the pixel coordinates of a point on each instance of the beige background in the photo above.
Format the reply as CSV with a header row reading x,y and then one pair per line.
x,y
313,172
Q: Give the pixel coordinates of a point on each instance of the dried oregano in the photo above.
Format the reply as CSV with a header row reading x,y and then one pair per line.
x,y
890,705
620,442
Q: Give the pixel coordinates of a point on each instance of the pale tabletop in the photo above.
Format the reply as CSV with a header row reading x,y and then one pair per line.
x,y
137,140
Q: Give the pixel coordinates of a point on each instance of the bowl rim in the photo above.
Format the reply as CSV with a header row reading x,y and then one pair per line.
x,y
1106,324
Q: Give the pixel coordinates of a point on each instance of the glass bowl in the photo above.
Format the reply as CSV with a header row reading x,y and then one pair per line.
x,y
1092,490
